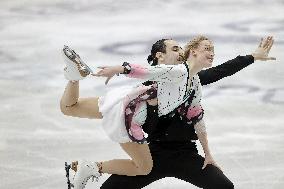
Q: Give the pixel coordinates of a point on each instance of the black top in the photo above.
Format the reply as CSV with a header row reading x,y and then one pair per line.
x,y
173,128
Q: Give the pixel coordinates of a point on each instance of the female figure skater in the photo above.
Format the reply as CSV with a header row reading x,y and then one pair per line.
x,y
173,89
87,170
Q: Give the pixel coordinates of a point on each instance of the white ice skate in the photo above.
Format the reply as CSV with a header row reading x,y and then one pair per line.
x,y
84,171
75,68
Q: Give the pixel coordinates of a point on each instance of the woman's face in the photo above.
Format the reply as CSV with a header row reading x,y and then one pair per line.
x,y
204,53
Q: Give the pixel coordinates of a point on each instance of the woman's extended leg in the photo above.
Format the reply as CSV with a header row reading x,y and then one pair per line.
x,y
141,162
70,103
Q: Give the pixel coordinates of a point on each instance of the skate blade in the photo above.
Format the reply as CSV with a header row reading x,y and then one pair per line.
x,y
70,54
67,168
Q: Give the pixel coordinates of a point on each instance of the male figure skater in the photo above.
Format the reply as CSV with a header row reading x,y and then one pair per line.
x,y
170,139
173,151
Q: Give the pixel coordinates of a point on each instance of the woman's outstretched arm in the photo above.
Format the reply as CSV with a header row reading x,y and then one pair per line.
x,y
231,67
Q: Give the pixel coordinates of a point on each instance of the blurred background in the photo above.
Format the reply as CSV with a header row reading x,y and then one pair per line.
x,y
244,113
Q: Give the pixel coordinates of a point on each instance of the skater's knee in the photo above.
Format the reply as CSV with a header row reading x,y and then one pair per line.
x,y
145,168
226,185
72,110
63,108
66,110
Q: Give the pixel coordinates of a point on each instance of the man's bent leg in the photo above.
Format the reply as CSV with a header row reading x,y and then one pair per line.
x,y
179,161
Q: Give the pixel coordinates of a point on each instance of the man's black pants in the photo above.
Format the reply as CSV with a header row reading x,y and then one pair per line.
x,y
174,159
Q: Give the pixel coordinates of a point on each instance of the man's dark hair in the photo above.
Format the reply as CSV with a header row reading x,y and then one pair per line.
x,y
159,46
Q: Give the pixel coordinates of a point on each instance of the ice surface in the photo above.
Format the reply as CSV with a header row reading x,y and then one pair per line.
x,y
246,131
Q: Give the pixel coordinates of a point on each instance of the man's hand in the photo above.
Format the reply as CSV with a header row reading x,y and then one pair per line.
x,y
261,53
209,160
109,72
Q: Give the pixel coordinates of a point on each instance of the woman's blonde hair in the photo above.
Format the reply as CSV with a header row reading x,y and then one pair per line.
x,y
193,44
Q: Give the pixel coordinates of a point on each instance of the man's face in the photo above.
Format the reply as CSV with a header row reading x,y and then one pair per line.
x,y
174,53
205,53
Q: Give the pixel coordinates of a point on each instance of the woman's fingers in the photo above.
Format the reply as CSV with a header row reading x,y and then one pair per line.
x,y
102,67
265,43
270,45
268,42
270,58
204,165
107,80
261,41
212,163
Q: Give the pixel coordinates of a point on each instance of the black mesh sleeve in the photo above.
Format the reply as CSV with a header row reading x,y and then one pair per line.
x,y
226,69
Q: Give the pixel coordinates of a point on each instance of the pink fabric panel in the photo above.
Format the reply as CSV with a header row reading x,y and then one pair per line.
x,y
193,111
137,71
136,131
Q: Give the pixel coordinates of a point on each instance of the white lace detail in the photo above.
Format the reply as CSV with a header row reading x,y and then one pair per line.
x,y
84,183
86,171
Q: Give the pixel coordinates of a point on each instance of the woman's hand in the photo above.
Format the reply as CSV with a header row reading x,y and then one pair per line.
x,y
262,51
109,72
209,160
